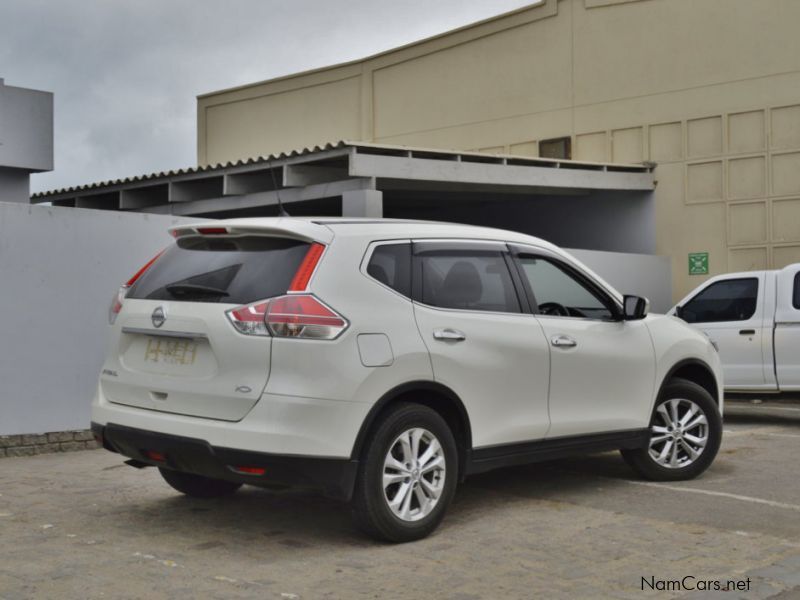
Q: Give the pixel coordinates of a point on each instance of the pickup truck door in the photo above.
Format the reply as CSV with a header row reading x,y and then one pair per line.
x,y
731,312
787,328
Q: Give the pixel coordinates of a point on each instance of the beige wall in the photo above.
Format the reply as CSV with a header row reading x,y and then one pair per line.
x,y
708,89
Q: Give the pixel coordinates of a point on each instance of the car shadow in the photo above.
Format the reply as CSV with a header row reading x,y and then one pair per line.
x,y
761,417
259,519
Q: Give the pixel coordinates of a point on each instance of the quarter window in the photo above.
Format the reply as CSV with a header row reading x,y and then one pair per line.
x,y
391,265
558,292
796,294
467,280
729,300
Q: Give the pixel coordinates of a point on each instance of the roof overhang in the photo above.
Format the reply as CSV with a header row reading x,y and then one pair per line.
x,y
334,169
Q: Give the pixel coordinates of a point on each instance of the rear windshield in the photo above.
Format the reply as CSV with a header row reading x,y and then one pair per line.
x,y
231,271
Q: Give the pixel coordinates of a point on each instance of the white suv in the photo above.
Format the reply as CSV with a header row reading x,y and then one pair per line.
x,y
383,361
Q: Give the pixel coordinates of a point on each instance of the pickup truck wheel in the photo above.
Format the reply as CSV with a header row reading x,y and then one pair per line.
x,y
407,476
685,434
198,486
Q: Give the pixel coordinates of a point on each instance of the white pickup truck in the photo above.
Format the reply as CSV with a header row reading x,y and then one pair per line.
x,y
753,319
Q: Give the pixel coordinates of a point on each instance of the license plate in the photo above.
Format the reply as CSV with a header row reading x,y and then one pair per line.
x,y
170,351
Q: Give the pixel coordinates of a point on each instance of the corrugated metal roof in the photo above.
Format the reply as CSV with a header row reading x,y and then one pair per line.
x,y
190,170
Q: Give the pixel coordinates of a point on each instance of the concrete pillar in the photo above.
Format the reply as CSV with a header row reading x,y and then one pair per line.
x,y
14,185
362,203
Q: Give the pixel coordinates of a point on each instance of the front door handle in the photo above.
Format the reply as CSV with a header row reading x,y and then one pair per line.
x,y
747,332
450,335
563,341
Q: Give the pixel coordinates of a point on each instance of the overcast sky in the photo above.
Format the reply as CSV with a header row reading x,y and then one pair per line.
x,y
125,73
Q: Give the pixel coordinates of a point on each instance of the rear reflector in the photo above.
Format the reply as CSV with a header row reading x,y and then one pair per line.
x,y
156,456
306,269
249,470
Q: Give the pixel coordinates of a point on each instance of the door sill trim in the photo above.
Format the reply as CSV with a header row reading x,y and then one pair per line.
x,y
507,455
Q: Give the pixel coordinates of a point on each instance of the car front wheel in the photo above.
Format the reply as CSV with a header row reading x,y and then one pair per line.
x,y
407,476
685,434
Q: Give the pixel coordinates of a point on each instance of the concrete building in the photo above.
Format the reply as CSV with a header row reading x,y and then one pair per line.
x,y
707,89
26,139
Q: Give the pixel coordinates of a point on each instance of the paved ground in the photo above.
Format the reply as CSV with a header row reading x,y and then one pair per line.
x,y
83,525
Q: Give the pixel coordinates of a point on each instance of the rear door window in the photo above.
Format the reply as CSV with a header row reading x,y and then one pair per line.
x,y
237,270
466,280
728,300
796,294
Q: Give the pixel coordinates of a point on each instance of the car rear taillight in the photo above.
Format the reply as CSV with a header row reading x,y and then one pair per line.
x,y
119,297
303,316
249,319
295,316
116,304
306,269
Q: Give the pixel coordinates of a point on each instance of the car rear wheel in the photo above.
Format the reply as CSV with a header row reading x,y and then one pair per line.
x,y
198,486
407,476
685,434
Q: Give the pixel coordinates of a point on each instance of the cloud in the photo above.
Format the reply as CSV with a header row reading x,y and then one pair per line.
x,y
125,74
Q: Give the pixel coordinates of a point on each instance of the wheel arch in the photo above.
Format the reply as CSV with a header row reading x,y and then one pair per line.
x,y
436,396
696,371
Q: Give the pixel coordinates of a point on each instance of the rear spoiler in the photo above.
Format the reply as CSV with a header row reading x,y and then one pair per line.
x,y
295,229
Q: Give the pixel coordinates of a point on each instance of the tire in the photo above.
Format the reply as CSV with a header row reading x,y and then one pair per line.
x,y
198,486
680,453
420,493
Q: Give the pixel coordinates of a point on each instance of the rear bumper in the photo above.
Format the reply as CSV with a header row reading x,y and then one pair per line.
x,y
335,477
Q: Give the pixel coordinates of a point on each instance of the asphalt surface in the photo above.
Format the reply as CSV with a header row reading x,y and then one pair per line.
x,y
82,525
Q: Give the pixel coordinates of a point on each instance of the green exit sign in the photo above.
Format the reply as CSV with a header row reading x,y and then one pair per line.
x,y
698,263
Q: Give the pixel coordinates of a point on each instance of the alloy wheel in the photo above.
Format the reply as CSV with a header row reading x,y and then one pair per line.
x,y
414,473
679,433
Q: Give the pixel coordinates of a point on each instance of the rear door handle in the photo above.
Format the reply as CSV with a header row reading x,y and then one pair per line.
x,y
450,335
563,341
747,332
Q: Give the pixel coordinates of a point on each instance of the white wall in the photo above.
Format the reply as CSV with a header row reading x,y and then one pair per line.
x,y
59,268
638,274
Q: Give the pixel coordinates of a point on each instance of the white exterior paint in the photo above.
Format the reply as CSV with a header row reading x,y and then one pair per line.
x,y
761,352
318,392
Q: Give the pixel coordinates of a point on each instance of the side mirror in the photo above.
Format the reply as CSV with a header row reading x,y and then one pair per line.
x,y
635,307
679,311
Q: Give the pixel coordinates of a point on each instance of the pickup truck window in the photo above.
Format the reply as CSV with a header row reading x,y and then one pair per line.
x,y
728,300
796,294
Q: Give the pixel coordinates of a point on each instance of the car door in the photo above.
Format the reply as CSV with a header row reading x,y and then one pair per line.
x,y
602,369
482,345
731,312
787,328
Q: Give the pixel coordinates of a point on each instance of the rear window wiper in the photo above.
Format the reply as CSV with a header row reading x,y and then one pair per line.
x,y
188,289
